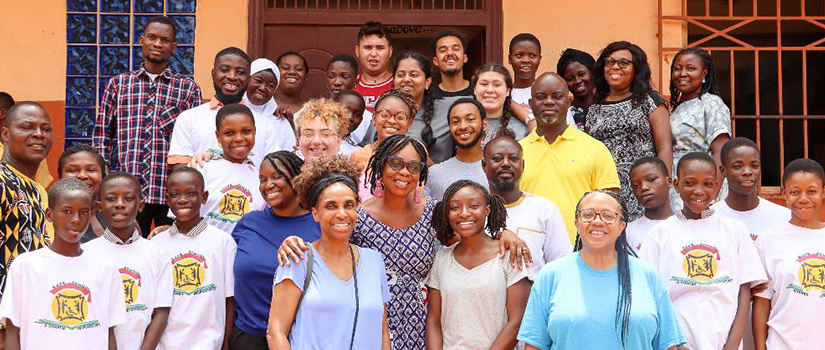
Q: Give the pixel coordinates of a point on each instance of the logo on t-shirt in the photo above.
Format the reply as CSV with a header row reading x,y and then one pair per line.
x,y
700,265
811,274
189,274
234,204
131,288
70,307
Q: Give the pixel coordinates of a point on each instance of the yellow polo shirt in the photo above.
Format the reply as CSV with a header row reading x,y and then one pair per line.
x,y
564,170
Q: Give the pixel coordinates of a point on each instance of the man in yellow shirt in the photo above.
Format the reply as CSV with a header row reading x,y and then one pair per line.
x,y
562,163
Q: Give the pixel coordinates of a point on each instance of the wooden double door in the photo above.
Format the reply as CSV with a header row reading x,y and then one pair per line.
x,y
320,29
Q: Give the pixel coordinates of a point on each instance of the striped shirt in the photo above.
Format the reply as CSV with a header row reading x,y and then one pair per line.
x,y
135,121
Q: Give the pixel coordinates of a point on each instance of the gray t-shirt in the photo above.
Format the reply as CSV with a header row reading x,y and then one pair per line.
x,y
444,174
515,125
440,122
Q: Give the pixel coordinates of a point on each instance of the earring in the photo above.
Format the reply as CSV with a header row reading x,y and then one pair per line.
x,y
379,189
417,196
703,80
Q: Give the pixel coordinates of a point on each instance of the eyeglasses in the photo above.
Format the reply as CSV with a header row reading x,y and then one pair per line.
x,y
400,117
607,216
623,63
398,163
324,134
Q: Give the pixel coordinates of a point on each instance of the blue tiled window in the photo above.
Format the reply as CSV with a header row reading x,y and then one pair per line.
x,y
102,40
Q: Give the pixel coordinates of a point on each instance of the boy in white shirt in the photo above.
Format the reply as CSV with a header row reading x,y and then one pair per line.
x,y
536,220
708,262
144,266
202,260
742,167
60,297
231,179
650,182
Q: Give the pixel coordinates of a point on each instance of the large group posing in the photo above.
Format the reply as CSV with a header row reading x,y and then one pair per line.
x,y
569,210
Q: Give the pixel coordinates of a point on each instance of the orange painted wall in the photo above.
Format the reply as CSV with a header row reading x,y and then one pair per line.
x,y
588,25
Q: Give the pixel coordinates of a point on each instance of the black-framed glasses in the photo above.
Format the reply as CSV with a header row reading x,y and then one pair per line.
x,y
397,163
622,62
608,216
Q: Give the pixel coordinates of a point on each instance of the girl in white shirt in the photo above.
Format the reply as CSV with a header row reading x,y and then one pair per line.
x,y
475,300
788,314
708,262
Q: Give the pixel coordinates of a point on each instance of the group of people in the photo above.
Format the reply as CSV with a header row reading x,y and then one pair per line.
x,y
575,209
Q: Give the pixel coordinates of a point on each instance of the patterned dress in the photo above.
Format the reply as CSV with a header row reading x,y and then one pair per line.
x,y
624,127
695,123
408,256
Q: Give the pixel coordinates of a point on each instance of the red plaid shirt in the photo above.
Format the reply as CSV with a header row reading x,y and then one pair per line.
x,y
135,122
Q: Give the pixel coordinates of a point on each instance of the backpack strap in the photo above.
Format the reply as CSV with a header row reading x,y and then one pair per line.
x,y
307,279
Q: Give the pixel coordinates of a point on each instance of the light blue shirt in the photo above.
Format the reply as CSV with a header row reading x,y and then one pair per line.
x,y
573,306
325,316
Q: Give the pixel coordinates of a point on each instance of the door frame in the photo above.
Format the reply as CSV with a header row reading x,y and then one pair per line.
x,y
490,18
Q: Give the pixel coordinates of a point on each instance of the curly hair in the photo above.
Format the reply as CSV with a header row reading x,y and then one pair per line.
x,y
496,220
708,85
623,252
570,55
641,85
389,147
508,81
317,170
332,113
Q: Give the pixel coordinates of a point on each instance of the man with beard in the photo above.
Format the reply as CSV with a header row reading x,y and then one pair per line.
x,y
450,56
536,220
468,121
136,116
562,163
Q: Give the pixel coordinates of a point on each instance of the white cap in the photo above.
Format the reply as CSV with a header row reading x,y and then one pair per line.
x,y
263,64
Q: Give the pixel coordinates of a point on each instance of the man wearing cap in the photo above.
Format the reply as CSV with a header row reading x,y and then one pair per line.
x,y
263,81
137,113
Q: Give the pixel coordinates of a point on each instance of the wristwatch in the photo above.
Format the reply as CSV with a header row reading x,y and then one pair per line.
x,y
529,118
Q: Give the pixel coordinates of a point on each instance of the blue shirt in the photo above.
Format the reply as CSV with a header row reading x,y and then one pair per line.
x,y
325,316
259,234
573,306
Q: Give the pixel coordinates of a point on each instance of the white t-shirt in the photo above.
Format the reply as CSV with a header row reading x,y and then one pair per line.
x,y
794,258
203,279
233,192
473,302
62,302
703,263
538,222
361,131
766,216
637,230
146,272
522,97
195,128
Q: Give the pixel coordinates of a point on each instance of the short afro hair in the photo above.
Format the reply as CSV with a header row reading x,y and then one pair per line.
x,y
313,171
64,186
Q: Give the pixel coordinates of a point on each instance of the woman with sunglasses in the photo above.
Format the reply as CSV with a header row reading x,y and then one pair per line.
x,y
398,225
601,296
628,116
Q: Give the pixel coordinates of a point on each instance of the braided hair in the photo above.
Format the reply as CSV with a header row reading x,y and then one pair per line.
x,y
290,164
390,147
496,220
623,252
708,85
507,112
428,102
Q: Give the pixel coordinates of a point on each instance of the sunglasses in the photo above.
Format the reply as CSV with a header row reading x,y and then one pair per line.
x,y
397,163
